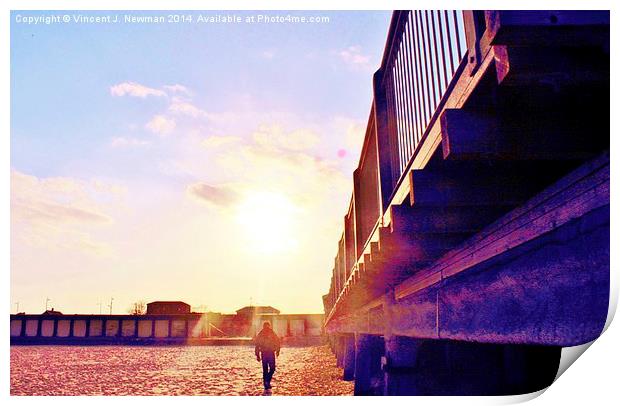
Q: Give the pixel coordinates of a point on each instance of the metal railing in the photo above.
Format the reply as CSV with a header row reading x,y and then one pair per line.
x,y
428,48
424,51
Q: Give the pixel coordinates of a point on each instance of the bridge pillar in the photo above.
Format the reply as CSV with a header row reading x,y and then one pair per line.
x,y
399,365
348,357
446,367
368,375
339,344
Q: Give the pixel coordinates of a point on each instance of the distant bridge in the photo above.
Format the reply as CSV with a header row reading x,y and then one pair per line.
x,y
476,243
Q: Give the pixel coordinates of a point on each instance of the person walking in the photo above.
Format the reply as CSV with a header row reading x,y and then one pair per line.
x,y
266,350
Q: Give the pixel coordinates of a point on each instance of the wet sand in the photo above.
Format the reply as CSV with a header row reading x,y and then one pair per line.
x,y
118,370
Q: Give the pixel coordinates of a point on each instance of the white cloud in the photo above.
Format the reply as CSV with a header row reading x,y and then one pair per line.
x,y
176,88
354,58
218,195
136,90
180,106
122,142
161,125
56,199
59,212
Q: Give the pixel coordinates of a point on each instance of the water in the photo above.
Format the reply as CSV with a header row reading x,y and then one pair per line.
x,y
119,370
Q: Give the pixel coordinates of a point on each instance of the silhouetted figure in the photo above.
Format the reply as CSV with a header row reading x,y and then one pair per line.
x,y
266,350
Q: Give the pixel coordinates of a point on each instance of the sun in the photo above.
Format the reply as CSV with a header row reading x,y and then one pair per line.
x,y
267,220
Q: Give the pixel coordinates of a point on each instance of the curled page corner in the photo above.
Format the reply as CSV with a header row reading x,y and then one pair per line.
x,y
571,354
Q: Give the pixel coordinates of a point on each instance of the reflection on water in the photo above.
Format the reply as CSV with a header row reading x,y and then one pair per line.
x,y
116,370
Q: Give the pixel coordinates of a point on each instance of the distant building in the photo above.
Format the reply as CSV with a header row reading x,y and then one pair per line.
x,y
164,321
251,311
168,308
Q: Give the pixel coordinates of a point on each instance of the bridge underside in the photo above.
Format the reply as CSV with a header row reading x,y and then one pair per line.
x,y
491,316
497,254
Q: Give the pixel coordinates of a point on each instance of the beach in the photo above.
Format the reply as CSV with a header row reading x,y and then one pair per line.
x,y
166,370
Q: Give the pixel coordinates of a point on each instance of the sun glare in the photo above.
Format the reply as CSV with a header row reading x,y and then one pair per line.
x,y
267,220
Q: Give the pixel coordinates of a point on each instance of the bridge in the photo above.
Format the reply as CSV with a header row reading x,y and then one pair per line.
x,y
476,243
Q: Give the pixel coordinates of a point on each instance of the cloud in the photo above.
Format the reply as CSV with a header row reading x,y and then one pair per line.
x,y
354,58
220,196
161,125
122,142
176,88
136,90
59,212
283,160
179,106
275,136
216,141
58,200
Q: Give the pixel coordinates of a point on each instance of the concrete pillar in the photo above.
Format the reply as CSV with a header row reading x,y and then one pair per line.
x,y
399,364
348,357
339,351
368,375
446,367
71,327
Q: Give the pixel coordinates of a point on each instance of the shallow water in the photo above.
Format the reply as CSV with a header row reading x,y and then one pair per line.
x,y
121,370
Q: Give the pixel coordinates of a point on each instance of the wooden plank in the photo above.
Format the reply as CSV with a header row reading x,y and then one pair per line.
x,y
547,28
452,219
523,66
469,135
538,217
478,183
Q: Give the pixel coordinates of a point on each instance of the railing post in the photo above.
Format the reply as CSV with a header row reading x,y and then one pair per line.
x,y
357,218
384,147
475,25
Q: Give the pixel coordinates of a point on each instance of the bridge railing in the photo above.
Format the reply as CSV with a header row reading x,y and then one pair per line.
x,y
427,49
425,53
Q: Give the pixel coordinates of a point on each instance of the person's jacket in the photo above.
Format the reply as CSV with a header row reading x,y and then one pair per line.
x,y
267,341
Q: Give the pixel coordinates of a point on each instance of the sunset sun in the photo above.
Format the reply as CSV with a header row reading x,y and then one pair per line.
x,y
267,221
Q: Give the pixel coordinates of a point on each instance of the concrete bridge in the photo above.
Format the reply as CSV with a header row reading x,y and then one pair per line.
x,y
476,243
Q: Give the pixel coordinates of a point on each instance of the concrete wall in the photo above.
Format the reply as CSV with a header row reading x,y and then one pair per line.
x,y
47,328
30,328
79,328
145,328
95,328
162,328
111,328
16,328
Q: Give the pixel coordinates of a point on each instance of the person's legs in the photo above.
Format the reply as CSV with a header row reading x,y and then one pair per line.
x,y
272,367
266,376
269,362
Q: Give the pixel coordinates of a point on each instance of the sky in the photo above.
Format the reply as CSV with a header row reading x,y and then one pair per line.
x,y
204,162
